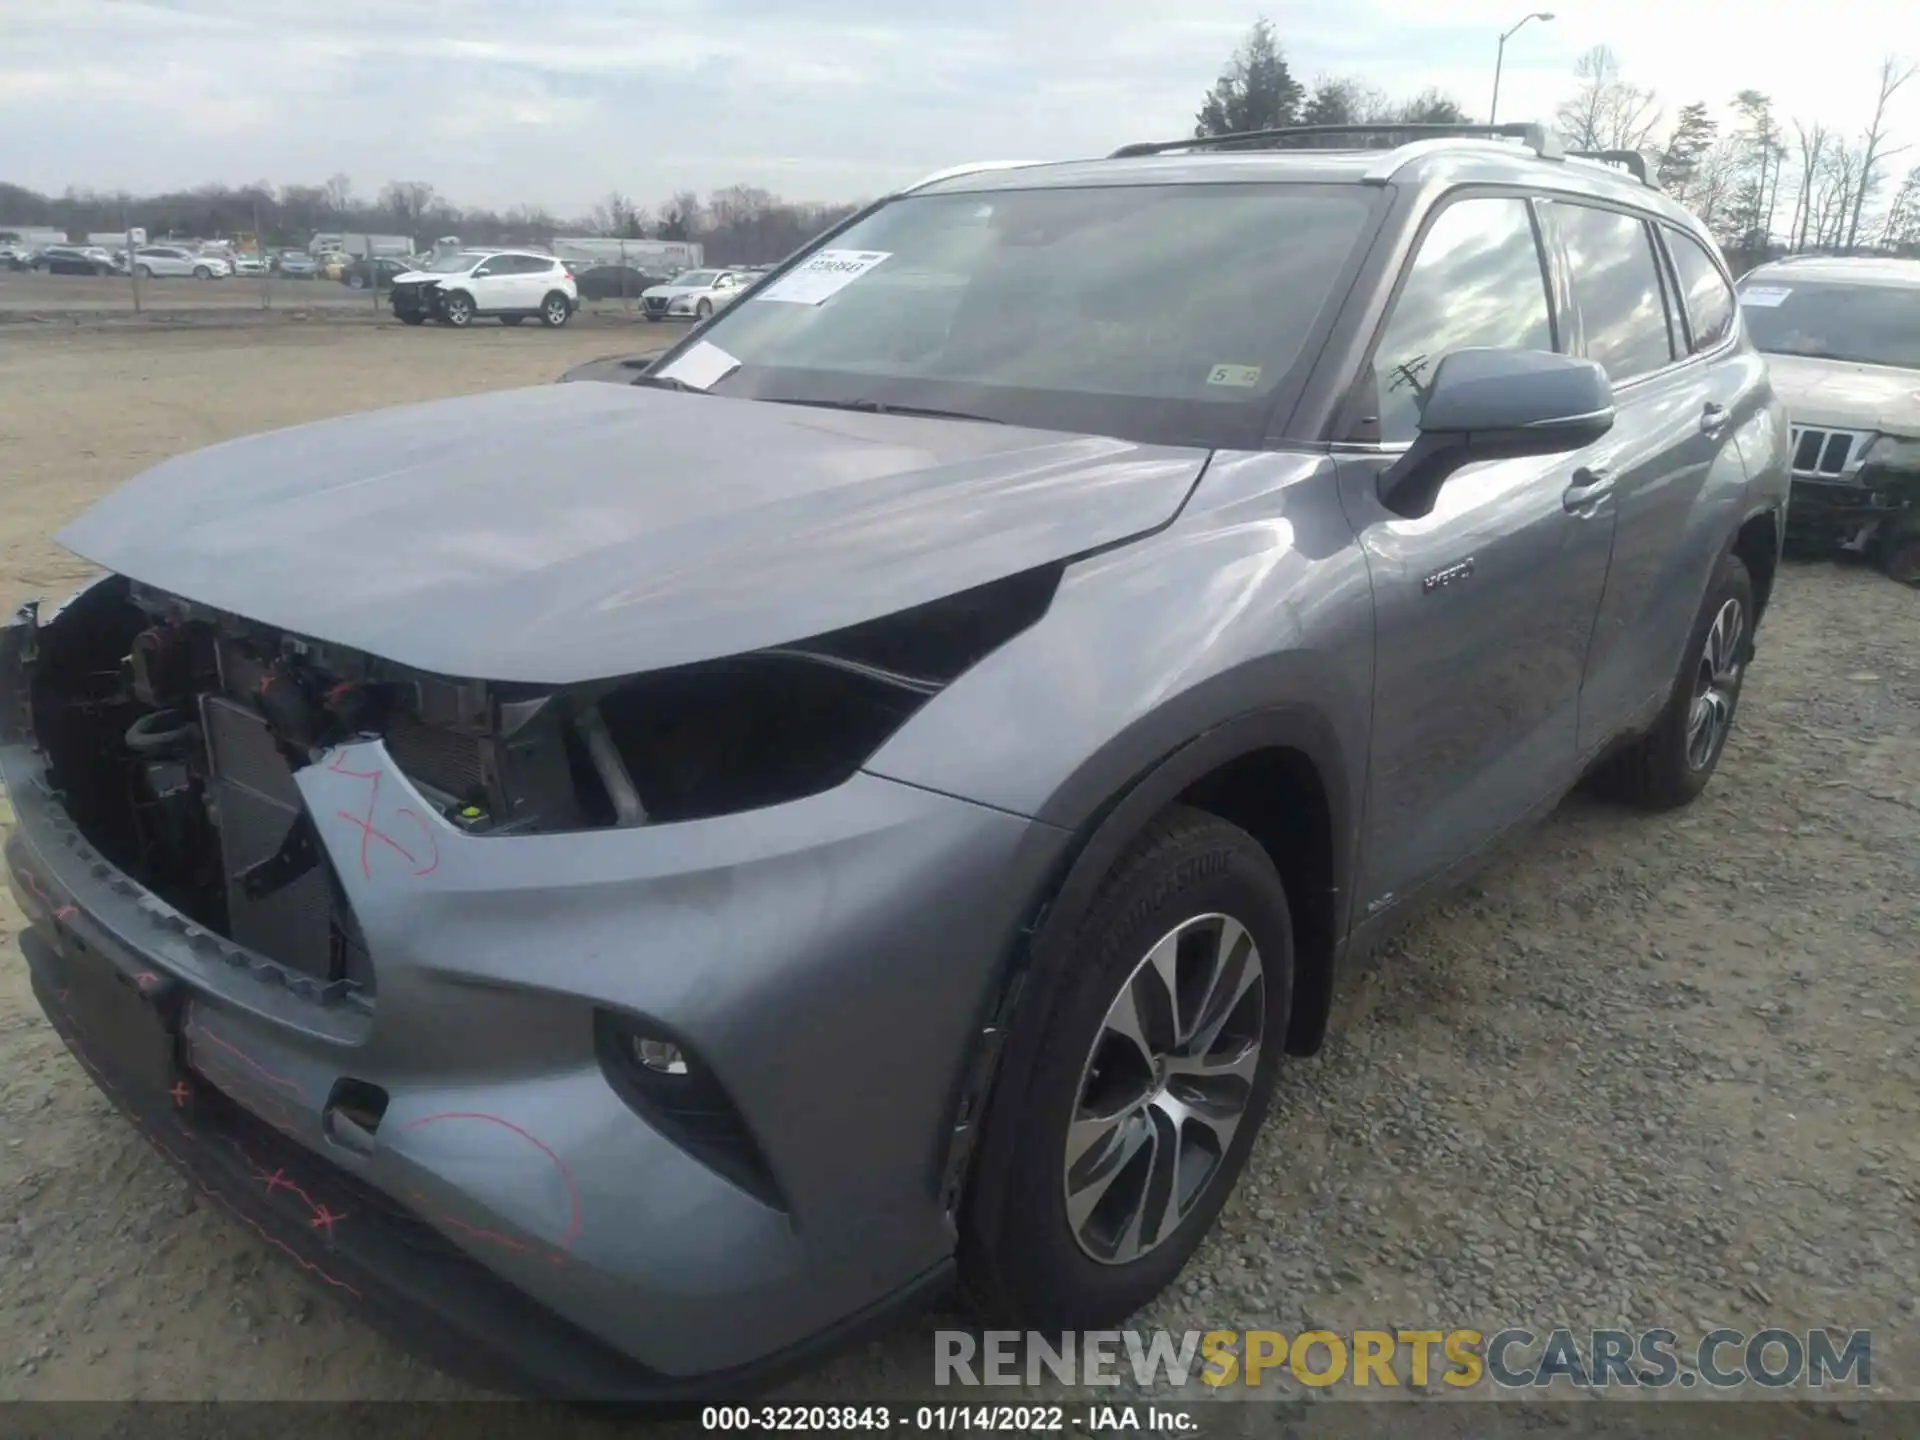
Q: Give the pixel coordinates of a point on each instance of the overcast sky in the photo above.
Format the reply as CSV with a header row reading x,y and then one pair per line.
x,y
499,102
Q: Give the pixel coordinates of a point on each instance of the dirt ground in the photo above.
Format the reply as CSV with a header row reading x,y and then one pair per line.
x,y
1648,1071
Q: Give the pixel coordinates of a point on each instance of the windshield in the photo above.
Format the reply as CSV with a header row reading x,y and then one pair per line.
x,y
454,264
1164,313
696,277
1867,324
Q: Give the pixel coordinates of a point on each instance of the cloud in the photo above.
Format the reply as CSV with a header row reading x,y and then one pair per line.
x,y
512,101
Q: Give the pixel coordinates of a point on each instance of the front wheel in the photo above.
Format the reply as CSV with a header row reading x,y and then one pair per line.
x,y
1136,1083
1671,764
703,310
457,310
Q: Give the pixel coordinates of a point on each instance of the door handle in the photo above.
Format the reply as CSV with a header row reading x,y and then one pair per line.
x,y
1591,484
1713,419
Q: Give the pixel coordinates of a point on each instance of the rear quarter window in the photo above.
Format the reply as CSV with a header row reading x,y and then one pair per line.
x,y
1616,288
1704,289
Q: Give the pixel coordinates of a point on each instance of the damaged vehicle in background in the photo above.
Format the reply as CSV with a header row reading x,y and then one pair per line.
x,y
1842,341
631,885
508,285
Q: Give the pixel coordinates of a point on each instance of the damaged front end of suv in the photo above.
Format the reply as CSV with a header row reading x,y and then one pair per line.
x,y
482,890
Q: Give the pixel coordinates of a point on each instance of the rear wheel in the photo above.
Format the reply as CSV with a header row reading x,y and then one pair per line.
x,y
457,310
201,272
145,272
555,311
1671,764
1143,1070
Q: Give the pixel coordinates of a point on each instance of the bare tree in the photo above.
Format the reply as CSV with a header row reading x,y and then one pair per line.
x,y
1903,216
339,193
1840,175
408,201
1813,141
1605,112
1893,74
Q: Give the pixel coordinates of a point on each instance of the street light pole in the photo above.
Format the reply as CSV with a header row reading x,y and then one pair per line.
x,y
1499,59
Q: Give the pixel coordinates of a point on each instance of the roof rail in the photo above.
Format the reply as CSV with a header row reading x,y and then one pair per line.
x,y
1538,138
1634,162
953,172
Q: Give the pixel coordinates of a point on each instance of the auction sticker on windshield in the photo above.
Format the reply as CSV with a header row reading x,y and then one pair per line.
x,y
1765,296
701,365
826,274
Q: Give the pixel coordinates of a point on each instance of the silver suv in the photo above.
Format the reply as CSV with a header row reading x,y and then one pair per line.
x,y
631,884
1842,341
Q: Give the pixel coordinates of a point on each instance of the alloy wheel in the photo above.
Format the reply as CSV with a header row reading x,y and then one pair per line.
x,y
1716,686
1164,1088
556,312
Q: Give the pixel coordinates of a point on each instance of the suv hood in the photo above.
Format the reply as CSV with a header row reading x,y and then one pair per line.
x,y
573,532
1847,395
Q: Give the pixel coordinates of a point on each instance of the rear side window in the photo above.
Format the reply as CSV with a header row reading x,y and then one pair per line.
x,y
1476,280
1616,284
1709,298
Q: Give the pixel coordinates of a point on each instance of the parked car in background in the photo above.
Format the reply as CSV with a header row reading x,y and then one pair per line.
x,y
378,273
297,265
615,282
874,800
17,257
509,285
249,263
1842,341
77,260
694,295
165,261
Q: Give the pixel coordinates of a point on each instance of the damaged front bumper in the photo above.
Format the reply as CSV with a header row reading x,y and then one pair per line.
x,y
1876,501
504,1209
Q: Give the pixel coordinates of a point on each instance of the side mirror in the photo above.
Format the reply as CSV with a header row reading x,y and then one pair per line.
x,y
1497,405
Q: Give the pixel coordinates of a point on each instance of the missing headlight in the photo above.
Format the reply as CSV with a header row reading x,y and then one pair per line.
x,y
793,720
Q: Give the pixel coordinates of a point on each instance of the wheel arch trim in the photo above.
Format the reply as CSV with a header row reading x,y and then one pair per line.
x,y
995,1072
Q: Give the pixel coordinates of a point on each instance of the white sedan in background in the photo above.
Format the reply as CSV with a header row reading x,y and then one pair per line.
x,y
694,294
154,261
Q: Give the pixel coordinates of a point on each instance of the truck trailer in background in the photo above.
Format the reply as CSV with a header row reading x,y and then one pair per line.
x,y
359,245
656,257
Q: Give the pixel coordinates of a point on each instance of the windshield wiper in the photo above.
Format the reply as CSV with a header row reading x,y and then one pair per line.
x,y
876,407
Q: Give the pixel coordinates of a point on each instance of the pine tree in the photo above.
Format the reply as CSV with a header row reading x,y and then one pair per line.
x,y
1255,92
1693,135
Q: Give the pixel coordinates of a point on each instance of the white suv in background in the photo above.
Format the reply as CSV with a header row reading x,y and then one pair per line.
x,y
1842,341
150,261
511,285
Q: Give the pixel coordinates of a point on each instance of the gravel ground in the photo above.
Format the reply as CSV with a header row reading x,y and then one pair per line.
x,y
1647,1071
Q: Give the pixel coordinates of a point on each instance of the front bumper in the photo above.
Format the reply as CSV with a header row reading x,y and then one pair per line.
x,y
511,1217
1824,512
